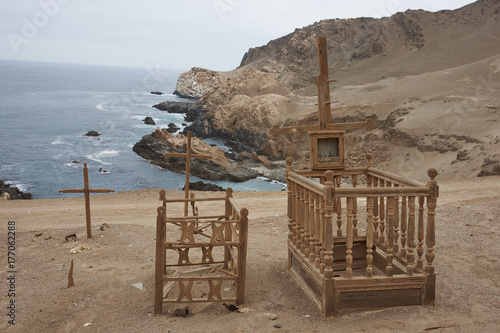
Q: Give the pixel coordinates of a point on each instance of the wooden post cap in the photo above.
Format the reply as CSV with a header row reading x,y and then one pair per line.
x,y
289,160
432,173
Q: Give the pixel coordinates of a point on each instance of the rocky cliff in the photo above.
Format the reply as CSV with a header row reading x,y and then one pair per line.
x,y
429,79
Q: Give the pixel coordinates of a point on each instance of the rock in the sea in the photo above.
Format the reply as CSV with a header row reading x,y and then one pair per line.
x,y
196,82
172,128
93,133
191,110
154,146
201,186
149,121
157,93
12,193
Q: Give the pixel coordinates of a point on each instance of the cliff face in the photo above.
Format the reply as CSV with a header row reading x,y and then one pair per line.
x,y
429,79
391,46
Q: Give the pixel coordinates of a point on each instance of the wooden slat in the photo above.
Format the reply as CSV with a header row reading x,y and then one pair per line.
x,y
197,278
200,300
194,199
171,245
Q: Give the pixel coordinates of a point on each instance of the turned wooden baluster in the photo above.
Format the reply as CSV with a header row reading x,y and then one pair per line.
x,y
323,234
312,227
300,211
295,214
420,233
329,191
396,222
354,208
404,225
338,208
373,182
410,256
369,237
319,230
382,214
350,234
390,236
375,211
430,236
304,248
291,222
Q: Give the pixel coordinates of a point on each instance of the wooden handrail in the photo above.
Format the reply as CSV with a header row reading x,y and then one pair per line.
x,y
307,183
393,178
370,192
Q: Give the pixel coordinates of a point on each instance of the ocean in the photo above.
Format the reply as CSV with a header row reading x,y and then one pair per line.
x,y
47,108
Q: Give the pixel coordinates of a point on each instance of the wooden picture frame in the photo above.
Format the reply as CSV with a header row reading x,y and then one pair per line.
x,y
327,150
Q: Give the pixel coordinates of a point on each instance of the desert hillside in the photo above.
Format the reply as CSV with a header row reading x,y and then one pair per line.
x,y
430,80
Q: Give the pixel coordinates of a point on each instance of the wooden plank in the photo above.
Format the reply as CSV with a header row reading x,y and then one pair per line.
x,y
200,300
198,278
380,298
194,199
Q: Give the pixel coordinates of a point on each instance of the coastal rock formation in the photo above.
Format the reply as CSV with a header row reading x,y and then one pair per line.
x,y
154,146
196,82
92,133
149,121
201,186
243,109
12,193
191,110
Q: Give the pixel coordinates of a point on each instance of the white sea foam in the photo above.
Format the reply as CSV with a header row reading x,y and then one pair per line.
x,y
59,141
101,106
97,157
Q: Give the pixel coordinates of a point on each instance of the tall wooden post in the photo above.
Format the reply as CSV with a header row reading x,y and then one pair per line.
x,y
430,236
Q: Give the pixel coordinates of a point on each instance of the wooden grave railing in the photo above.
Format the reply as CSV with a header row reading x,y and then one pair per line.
x,y
216,244
397,235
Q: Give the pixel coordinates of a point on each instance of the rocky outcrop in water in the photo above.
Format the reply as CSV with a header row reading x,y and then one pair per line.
x,y
13,192
153,147
191,110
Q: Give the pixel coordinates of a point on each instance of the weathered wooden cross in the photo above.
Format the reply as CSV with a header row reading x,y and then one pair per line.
x,y
86,190
188,156
325,125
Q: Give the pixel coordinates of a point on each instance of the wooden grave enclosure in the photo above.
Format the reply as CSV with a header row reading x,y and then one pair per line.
x,y
200,258
359,237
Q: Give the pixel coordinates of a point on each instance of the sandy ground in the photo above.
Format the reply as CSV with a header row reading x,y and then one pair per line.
x,y
104,298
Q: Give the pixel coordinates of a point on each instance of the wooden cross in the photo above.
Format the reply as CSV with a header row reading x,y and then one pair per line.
x,y
86,190
188,156
324,103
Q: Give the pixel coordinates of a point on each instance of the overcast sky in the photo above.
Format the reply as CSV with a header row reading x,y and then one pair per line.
x,y
213,34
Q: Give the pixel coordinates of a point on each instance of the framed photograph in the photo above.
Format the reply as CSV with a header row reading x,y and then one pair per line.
x,y
327,150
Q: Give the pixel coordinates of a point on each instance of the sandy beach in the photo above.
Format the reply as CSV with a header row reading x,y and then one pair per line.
x,y
118,259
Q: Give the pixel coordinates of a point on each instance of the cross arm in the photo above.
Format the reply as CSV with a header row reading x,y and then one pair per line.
x,y
202,156
73,190
97,190
368,124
